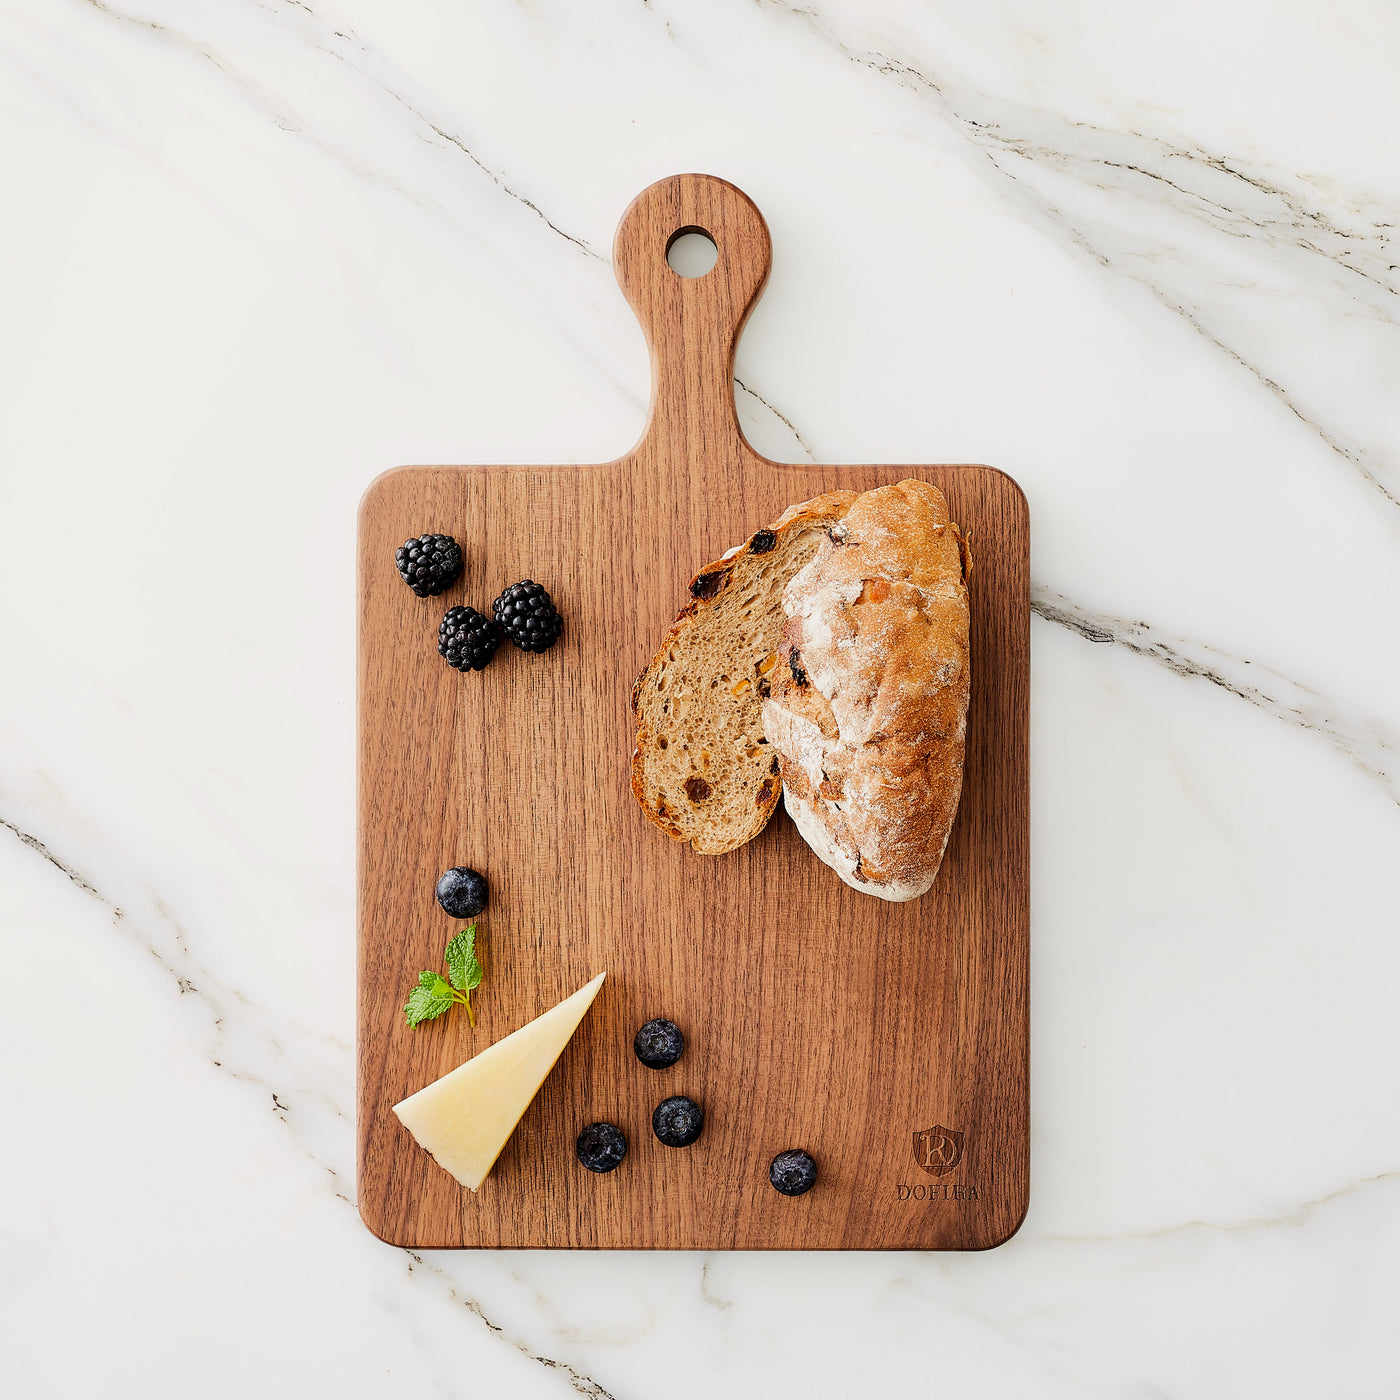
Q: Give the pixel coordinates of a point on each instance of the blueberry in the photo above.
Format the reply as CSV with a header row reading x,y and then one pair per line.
x,y
677,1121
659,1043
601,1147
793,1172
462,892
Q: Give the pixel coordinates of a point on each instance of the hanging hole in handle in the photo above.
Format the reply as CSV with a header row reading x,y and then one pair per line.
x,y
691,252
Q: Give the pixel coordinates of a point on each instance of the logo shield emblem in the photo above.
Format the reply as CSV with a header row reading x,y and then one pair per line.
x,y
938,1150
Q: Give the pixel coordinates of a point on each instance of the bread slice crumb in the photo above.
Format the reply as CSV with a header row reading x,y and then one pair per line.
x,y
703,770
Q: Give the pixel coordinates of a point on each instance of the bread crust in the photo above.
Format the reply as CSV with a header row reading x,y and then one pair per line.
x,y
708,591
868,711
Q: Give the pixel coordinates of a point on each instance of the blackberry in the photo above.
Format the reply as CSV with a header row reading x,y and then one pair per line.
x,y
462,892
601,1147
526,614
429,564
467,640
677,1121
793,1172
659,1043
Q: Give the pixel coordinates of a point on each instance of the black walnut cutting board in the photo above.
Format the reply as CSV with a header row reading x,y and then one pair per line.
x,y
889,1040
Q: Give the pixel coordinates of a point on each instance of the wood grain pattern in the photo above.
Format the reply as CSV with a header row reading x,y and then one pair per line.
x,y
815,1017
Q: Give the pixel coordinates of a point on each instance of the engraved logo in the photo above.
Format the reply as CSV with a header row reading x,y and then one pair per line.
x,y
938,1150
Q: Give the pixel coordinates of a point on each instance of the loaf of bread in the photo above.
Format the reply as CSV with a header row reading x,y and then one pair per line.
x,y
702,769
868,704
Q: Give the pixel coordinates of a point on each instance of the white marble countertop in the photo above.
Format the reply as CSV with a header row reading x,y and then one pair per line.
x,y
255,251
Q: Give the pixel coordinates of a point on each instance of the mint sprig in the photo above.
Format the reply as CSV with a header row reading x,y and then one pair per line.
x,y
436,994
463,969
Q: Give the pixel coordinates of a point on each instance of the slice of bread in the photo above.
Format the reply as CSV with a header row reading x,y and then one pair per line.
x,y
703,770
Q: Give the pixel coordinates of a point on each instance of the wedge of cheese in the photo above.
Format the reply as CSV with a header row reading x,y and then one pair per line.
x,y
465,1118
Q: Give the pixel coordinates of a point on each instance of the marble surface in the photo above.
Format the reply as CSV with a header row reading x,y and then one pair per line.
x,y
1145,259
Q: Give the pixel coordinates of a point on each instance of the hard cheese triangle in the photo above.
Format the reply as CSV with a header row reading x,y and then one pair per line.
x,y
465,1118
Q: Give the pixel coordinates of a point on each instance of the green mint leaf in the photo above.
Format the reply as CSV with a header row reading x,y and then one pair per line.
x,y
461,957
435,984
423,1005
471,973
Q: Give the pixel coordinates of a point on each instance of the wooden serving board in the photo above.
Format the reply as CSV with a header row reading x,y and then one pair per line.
x,y
889,1040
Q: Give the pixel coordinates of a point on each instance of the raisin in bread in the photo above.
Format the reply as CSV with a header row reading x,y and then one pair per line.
x,y
703,771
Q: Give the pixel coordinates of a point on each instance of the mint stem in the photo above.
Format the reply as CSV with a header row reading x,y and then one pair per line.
x,y
466,999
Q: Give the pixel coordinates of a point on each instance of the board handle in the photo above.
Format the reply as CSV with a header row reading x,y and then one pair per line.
x,y
692,324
